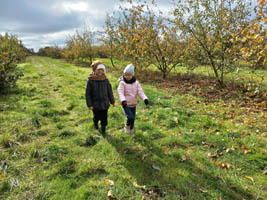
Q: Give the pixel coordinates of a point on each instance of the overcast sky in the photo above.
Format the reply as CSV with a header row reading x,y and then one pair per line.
x,y
40,23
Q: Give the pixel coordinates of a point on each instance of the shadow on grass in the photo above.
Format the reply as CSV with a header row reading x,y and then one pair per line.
x,y
9,97
163,174
14,92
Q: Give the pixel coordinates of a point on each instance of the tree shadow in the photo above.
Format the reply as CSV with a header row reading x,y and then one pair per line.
x,y
149,165
204,86
9,97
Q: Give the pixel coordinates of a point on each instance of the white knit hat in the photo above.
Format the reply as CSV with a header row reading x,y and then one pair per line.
x,y
129,69
101,66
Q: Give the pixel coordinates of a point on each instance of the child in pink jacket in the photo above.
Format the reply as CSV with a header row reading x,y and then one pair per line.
x,y
128,90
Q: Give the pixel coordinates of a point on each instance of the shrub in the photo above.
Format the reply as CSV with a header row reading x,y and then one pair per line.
x,y
12,52
53,52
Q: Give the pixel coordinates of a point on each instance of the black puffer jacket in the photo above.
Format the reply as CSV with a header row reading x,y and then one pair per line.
x,y
99,94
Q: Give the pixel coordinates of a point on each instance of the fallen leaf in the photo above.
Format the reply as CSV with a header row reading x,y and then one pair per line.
x,y
184,158
212,155
233,148
247,151
110,194
2,177
228,150
228,166
109,182
176,120
144,156
166,151
155,167
211,146
204,191
250,178
138,186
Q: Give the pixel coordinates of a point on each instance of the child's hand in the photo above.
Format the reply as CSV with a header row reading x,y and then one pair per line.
x,y
91,108
146,101
124,104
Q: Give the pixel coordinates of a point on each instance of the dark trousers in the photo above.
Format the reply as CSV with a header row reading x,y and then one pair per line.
x,y
130,115
102,116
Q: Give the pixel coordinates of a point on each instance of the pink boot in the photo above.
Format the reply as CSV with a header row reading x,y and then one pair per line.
x,y
132,132
127,129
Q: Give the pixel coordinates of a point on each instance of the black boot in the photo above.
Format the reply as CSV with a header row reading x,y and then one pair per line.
x,y
103,131
96,125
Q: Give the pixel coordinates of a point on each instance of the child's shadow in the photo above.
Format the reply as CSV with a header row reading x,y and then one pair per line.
x,y
150,166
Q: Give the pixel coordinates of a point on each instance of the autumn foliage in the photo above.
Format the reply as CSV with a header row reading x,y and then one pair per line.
x,y
144,37
218,34
53,52
221,35
253,38
79,47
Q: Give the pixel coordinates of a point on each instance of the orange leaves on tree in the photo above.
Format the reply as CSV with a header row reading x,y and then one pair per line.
x,y
252,37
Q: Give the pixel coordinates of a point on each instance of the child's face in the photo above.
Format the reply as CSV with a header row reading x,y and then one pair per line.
x,y
100,72
128,76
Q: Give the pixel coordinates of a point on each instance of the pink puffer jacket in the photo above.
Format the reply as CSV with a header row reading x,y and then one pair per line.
x,y
129,91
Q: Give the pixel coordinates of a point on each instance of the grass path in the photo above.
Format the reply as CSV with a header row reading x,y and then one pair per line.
x,y
183,149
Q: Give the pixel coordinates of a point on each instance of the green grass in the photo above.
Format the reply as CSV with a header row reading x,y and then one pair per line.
x,y
183,148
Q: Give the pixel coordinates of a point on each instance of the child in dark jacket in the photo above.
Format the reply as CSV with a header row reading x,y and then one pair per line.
x,y
99,96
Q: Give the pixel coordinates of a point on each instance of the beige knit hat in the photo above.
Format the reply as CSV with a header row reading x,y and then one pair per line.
x,y
101,66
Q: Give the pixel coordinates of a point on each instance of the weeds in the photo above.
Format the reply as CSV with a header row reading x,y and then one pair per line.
x,y
66,167
52,153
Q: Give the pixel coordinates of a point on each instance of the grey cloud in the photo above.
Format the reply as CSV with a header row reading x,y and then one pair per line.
x,y
49,25
23,16
42,22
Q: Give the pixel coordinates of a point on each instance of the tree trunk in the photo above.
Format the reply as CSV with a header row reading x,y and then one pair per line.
x,y
164,75
111,60
91,60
